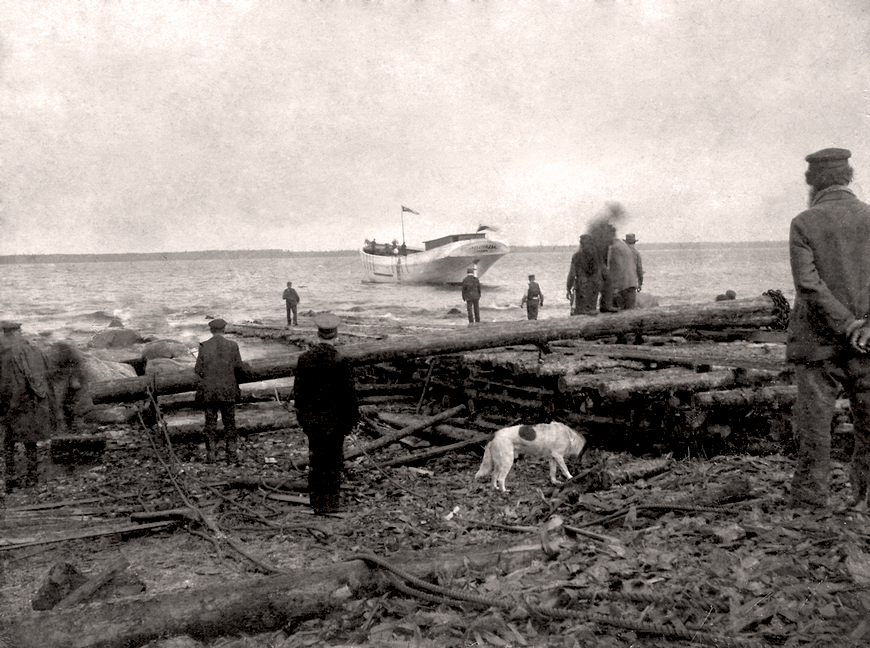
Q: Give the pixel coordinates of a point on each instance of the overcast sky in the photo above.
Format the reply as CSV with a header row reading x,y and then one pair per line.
x,y
165,125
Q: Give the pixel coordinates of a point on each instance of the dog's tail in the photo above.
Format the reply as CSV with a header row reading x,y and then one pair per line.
x,y
486,466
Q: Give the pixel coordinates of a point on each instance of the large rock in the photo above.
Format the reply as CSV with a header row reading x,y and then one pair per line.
x,y
168,365
97,370
115,338
165,349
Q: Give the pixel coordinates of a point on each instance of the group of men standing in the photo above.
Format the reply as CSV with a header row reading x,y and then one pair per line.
x,y
828,343
604,277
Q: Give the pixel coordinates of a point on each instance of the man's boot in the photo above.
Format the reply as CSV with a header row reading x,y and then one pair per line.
x,y
9,456
232,450
32,459
210,443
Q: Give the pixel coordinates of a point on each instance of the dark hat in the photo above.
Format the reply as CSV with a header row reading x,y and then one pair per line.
x,y
531,277
6,325
629,238
217,324
829,157
327,325
470,271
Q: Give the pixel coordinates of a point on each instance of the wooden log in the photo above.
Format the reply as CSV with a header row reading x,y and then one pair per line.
x,y
760,311
425,455
693,356
400,434
251,606
664,380
774,395
87,589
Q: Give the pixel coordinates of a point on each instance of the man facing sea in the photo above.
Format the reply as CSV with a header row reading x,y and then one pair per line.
x,y
828,330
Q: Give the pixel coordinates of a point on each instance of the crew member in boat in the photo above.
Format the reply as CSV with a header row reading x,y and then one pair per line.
x,y
533,299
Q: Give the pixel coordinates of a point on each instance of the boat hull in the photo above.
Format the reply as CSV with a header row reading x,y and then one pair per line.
x,y
447,264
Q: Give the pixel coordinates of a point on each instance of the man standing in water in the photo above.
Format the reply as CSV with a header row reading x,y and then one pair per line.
x,y
292,298
471,296
219,365
830,264
532,299
327,409
26,407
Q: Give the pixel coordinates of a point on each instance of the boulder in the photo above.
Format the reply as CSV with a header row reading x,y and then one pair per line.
x,y
115,338
97,370
168,365
165,349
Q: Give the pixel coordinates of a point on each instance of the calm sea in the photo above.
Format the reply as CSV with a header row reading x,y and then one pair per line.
x,y
176,298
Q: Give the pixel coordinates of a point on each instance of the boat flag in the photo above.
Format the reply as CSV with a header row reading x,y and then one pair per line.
x,y
406,209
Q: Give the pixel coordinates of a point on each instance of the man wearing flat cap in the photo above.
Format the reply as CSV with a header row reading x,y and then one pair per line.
x,y
532,299
327,409
219,366
829,246
471,296
27,414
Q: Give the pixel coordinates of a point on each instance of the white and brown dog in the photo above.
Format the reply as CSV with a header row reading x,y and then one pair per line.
x,y
552,440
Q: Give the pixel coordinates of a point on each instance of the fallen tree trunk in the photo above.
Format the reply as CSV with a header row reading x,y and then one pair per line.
x,y
760,311
250,606
664,380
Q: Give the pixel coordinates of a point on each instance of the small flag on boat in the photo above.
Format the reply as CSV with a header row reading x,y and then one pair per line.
x,y
406,209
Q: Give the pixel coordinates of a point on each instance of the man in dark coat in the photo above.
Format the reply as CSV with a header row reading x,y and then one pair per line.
x,y
532,299
830,264
219,366
585,276
27,412
471,296
292,298
327,409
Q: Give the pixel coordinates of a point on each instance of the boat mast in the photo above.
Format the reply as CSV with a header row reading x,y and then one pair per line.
x,y
403,225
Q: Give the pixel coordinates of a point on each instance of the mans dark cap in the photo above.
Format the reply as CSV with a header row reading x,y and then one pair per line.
x,y
531,277
7,325
327,325
470,271
630,238
217,324
829,158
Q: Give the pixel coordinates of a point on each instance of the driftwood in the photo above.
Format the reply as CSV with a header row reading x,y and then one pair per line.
x,y
251,606
760,311
87,589
425,455
401,434
92,533
663,380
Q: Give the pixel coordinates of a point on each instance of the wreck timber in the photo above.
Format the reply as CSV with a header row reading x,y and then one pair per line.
x,y
760,311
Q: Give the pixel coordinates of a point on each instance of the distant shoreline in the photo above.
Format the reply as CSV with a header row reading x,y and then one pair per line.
x,y
206,255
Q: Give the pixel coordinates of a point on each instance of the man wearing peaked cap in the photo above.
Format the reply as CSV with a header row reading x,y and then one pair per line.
x,y
327,409
828,331
219,366
532,299
327,325
471,296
